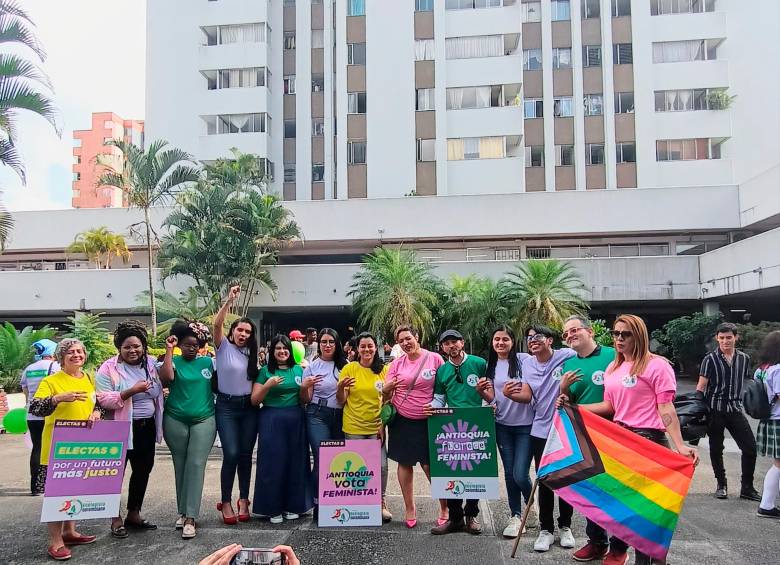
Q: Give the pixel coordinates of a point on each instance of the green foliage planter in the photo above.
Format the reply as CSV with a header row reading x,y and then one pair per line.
x,y
686,340
16,352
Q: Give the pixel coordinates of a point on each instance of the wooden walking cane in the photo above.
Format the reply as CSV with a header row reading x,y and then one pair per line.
x,y
528,506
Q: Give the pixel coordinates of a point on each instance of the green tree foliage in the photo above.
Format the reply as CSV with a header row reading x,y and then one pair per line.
x,y
91,330
16,352
687,339
751,336
601,333
100,245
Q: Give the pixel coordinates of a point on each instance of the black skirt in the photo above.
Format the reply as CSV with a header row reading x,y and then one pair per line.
x,y
408,441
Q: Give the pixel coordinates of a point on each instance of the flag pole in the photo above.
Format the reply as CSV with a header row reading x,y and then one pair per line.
x,y
528,505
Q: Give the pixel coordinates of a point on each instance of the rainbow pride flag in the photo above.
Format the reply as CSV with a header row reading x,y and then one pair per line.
x,y
628,485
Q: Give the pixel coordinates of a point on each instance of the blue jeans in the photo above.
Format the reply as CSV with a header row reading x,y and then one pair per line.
x,y
237,427
322,423
514,445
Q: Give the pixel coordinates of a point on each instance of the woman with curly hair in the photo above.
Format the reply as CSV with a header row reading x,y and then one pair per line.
x,y
188,423
129,389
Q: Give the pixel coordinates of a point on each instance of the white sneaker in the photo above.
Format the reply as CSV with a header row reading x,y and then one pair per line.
x,y
567,538
188,532
179,522
290,516
533,518
544,541
513,527
277,519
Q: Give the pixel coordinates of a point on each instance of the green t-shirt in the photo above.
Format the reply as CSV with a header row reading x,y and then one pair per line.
x,y
286,393
461,395
590,388
191,399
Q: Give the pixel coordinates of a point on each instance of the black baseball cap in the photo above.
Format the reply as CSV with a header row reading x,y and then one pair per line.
x,y
449,334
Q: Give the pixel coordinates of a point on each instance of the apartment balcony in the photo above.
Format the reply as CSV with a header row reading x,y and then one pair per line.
x,y
693,124
233,56
507,120
694,74
231,12
483,21
486,70
234,101
682,27
485,176
212,147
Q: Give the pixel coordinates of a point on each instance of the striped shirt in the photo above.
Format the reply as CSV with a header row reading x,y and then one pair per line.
x,y
724,380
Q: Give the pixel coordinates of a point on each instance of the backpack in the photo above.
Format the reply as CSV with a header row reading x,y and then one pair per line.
x,y
756,400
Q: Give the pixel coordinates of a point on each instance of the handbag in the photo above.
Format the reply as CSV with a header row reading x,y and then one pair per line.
x,y
388,411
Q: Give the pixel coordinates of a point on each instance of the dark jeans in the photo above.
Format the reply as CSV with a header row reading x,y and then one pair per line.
x,y
36,431
141,459
514,445
547,496
455,506
737,425
236,420
597,534
322,423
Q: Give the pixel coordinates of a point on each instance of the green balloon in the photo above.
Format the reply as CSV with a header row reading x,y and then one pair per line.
x,y
299,351
15,422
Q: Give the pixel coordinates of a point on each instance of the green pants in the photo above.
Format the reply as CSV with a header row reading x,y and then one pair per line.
x,y
190,445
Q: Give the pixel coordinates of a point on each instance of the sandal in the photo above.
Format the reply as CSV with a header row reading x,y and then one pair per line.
x,y
60,553
119,532
243,517
142,525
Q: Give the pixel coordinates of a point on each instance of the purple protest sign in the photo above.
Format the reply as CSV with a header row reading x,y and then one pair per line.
x,y
85,472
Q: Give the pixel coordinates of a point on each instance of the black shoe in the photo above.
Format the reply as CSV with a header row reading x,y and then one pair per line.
x,y
448,527
773,513
749,493
722,492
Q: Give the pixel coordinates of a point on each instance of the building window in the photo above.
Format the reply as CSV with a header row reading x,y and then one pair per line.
x,y
532,59
107,139
625,153
561,10
235,78
591,55
289,129
289,172
288,3
356,7
426,99
474,47
591,9
594,154
424,50
76,177
685,51
236,123
564,155
533,108
289,40
356,53
317,127
661,7
471,4
317,172
426,150
685,100
561,58
77,159
534,156
622,54
423,5
624,102
289,84
108,124
494,96
594,104
621,8
687,149
475,148
76,142
317,38
241,33
356,152
317,83
563,107
356,103
531,12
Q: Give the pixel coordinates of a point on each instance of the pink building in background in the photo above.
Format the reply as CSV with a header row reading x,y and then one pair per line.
x,y
87,144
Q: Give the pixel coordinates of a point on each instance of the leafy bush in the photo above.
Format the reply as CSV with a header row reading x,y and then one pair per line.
x,y
91,331
752,335
685,339
601,333
16,352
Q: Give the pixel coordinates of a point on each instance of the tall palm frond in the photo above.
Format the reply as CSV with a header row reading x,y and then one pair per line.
x,y
6,225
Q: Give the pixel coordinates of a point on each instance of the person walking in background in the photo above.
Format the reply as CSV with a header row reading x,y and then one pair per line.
x,y
359,390
32,375
236,418
720,379
297,335
129,389
310,344
189,427
769,429
283,478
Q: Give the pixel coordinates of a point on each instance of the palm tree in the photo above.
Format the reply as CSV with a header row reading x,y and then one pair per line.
x,y
393,288
100,245
194,303
543,291
147,178
16,351
23,86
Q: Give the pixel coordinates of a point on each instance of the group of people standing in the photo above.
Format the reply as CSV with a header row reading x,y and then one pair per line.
x,y
287,410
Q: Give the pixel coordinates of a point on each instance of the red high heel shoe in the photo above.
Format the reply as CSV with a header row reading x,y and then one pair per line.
x,y
229,520
243,517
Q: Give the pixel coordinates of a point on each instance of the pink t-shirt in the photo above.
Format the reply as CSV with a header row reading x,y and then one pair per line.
x,y
404,370
636,397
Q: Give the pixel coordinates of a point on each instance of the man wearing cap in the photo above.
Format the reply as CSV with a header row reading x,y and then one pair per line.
x,y
43,366
297,335
460,383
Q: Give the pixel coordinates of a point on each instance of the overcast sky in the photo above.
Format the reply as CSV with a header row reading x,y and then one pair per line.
x,y
96,62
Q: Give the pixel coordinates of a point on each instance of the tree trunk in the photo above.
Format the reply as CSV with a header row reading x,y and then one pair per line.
x,y
152,300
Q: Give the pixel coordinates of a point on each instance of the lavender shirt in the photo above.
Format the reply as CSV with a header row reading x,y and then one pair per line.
x,y
509,412
326,388
772,390
545,382
231,365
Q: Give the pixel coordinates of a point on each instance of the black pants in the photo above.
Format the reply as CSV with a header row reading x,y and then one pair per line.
x,y
547,496
737,425
455,506
141,459
597,534
36,431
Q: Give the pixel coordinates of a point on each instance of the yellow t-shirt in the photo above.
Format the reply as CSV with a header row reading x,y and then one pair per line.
x,y
361,410
56,384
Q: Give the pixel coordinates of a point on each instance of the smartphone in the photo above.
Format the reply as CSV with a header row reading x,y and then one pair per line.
x,y
258,556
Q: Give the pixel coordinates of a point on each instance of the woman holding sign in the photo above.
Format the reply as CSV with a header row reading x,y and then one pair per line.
x,y
360,392
68,394
283,478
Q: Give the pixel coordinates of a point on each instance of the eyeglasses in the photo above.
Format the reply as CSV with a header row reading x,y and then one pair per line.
x,y
570,332
536,337
327,342
622,335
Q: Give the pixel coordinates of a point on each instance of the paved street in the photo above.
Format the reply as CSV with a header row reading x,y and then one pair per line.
x,y
710,531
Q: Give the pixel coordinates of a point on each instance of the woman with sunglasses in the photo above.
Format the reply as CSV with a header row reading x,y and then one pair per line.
x,y
639,389
324,413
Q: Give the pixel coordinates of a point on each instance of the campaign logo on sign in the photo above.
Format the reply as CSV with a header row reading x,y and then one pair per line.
x,y
629,381
598,378
206,373
428,374
455,487
350,475
341,515
464,446
557,373
71,507
472,380
76,507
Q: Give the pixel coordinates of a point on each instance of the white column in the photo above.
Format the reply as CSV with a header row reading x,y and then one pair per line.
x,y
330,92
303,100
579,107
440,83
341,99
547,90
608,93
